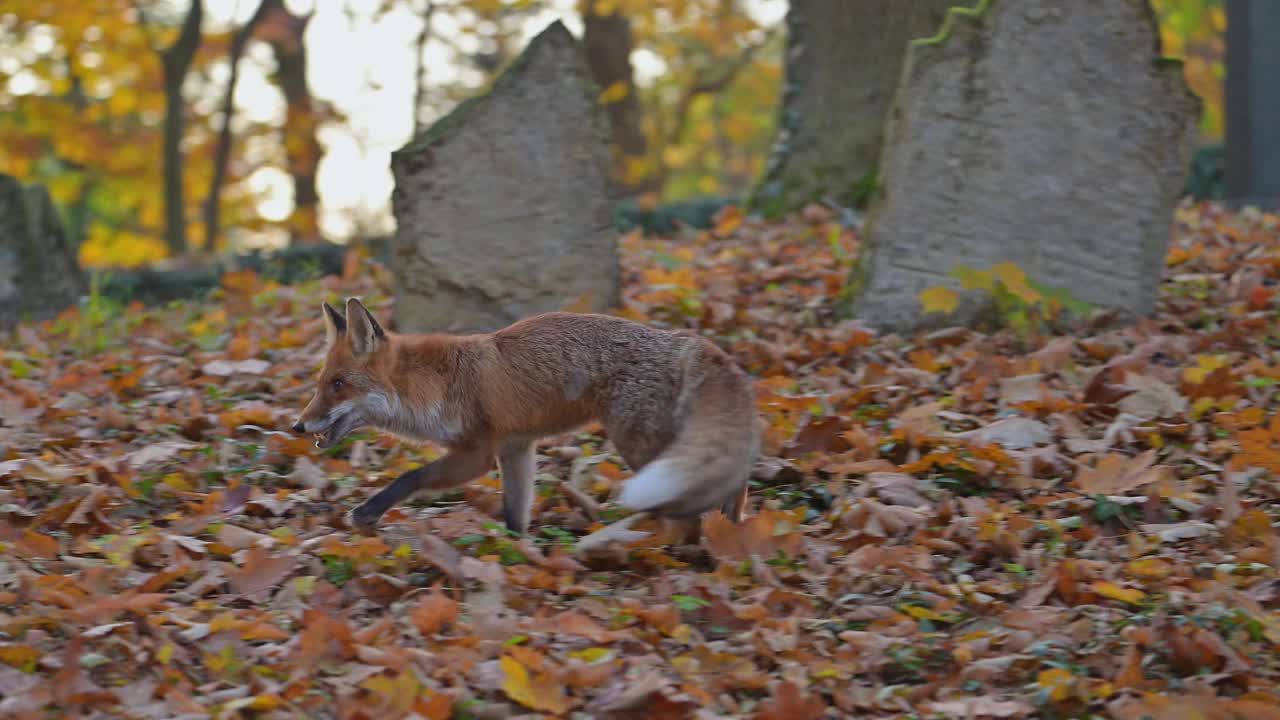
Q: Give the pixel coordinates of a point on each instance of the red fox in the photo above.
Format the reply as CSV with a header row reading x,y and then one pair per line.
x,y
675,406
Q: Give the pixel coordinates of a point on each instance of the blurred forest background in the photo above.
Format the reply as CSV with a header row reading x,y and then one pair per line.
x,y
168,128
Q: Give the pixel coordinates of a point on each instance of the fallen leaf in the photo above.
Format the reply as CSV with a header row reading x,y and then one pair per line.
x,y
537,692
939,299
1104,588
224,368
261,571
433,612
1116,474
788,702
976,707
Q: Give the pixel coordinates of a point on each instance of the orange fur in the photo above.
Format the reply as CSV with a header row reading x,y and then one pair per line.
x,y
674,405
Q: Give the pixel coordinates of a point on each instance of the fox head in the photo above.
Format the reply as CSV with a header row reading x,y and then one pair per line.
x,y
355,388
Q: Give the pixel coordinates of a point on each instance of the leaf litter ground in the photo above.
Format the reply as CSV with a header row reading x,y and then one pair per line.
x,y
952,525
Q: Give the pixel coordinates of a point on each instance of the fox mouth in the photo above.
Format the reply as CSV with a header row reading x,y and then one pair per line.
x,y
337,429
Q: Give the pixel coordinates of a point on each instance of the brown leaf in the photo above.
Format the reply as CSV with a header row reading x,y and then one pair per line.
x,y
1192,707
788,702
1153,398
920,421
763,535
819,435
574,622
1100,391
260,571
433,612
1116,474
238,538
641,698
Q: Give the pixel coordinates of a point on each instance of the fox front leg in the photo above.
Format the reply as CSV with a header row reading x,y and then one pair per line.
x,y
457,468
518,464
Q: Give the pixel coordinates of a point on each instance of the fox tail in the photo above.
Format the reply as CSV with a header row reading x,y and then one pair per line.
x,y
709,462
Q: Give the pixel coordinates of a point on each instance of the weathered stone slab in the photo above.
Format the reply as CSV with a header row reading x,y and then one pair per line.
x,y
39,273
1045,133
504,206
842,66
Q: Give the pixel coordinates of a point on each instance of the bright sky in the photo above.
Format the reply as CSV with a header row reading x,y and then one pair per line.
x,y
365,68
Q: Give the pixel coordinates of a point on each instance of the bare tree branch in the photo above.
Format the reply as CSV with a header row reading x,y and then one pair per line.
x,y
420,73
707,83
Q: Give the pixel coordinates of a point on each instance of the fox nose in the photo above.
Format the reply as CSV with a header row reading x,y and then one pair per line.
x,y
298,428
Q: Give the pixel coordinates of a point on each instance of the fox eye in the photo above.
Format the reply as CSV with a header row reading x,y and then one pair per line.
x,y
336,383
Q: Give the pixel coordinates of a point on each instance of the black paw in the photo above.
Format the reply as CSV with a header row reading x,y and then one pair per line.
x,y
364,518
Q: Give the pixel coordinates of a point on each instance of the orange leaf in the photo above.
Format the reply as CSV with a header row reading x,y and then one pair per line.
x,y
432,613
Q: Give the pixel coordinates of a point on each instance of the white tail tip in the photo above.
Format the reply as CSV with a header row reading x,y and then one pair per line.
x,y
656,484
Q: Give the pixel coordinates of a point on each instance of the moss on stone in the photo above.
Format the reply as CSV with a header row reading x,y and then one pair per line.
x,y
948,23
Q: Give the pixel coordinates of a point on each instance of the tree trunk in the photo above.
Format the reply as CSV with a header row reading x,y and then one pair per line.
x,y
222,150
302,146
842,67
176,60
608,43
1253,102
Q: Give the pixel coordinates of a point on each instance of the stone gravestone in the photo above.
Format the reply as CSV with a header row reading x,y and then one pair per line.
x,y
39,272
1045,133
503,206
843,61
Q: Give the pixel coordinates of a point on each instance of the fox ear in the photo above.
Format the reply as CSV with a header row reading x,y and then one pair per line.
x,y
334,324
365,332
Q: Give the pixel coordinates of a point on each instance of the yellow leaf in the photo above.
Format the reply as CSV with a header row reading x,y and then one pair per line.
x,y
1109,589
1150,568
1205,364
939,299
922,613
20,656
165,654
592,654
400,691
1057,682
616,92
177,482
1015,281
539,692
1218,19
